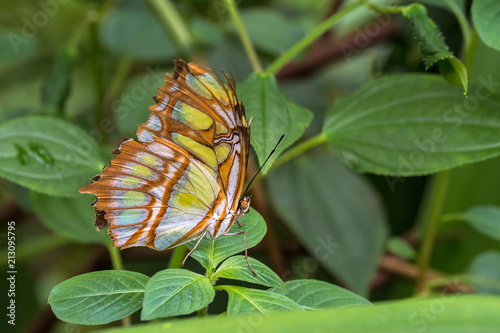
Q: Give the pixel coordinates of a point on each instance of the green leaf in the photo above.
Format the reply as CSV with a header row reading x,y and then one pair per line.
x,y
210,252
236,268
132,30
400,247
70,218
57,83
99,297
270,30
47,155
486,18
132,107
314,294
487,266
485,219
334,212
205,32
445,314
174,292
273,114
409,125
454,71
433,48
245,300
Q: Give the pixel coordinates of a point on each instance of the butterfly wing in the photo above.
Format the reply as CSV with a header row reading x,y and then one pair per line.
x,y
187,167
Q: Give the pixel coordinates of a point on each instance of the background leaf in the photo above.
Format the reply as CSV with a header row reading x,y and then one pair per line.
x,y
57,83
210,252
314,294
486,18
400,247
413,124
71,218
485,219
132,107
132,30
47,155
174,292
245,300
451,314
335,214
236,268
270,30
487,266
273,114
98,297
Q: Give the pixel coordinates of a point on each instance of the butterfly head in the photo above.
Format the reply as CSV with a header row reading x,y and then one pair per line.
x,y
244,206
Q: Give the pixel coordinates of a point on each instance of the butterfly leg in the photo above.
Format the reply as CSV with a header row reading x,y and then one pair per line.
x,y
246,248
194,248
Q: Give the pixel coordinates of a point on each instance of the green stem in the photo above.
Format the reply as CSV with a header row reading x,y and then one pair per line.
x,y
470,52
299,149
97,68
431,225
172,21
116,259
203,312
294,152
464,278
117,263
452,217
314,34
122,71
243,34
177,257
386,9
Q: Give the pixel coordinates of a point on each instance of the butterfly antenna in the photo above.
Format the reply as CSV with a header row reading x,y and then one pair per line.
x,y
270,154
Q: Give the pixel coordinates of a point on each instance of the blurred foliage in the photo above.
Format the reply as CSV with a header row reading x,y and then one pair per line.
x,y
76,77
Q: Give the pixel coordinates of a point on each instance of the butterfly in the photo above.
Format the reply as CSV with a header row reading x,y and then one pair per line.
x,y
183,178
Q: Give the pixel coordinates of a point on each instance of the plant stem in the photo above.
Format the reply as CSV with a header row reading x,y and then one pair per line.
x,y
177,257
116,259
431,225
294,152
453,217
122,71
243,34
314,34
299,149
203,311
172,21
117,263
470,52
97,68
